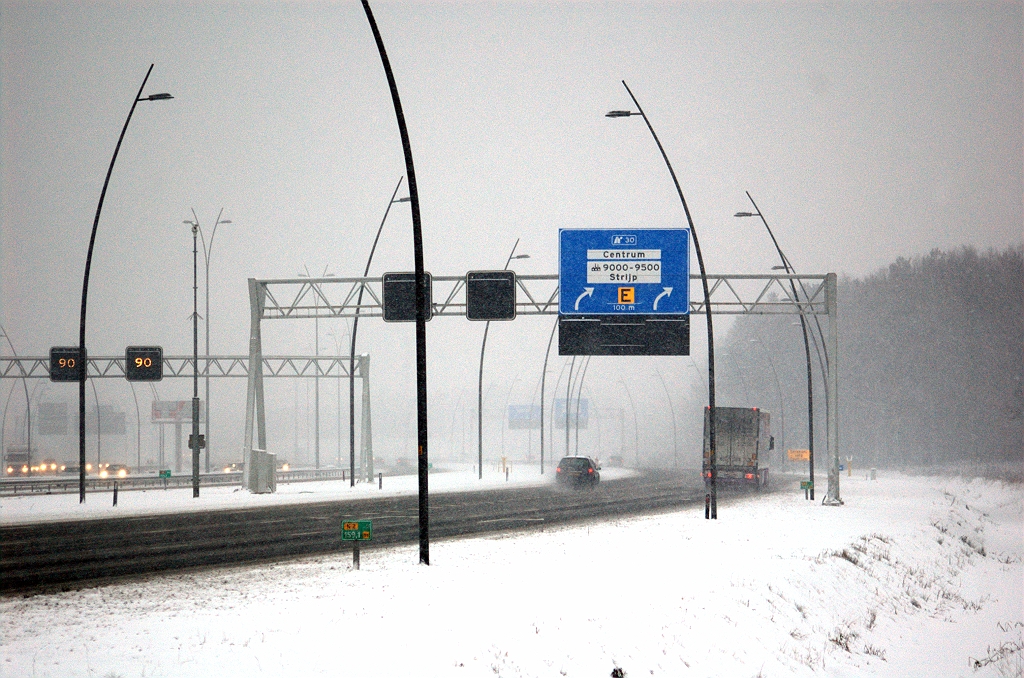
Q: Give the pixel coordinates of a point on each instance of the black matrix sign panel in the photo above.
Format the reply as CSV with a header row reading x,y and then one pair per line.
x,y
624,335
399,290
491,295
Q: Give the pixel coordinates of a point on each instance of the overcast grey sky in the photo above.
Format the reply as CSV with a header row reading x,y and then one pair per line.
x,y
865,131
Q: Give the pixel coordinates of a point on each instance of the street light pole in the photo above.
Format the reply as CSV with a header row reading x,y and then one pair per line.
x,y
337,349
195,360
807,348
543,379
422,437
316,349
28,407
207,251
352,351
712,462
778,388
672,410
480,384
85,284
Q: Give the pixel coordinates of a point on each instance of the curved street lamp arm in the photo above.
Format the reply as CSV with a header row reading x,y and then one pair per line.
x,y
85,295
791,270
352,350
421,299
510,255
707,308
807,350
28,404
480,387
543,379
782,257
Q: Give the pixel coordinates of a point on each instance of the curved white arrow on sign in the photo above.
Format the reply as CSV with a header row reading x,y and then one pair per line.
x,y
587,291
666,293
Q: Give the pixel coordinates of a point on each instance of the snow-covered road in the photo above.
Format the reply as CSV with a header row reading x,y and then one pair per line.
x,y
913,576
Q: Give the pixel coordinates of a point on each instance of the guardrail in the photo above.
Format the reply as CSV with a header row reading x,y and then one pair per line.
x,y
69,484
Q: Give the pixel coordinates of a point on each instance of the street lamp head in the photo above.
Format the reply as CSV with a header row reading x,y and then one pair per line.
x,y
619,114
780,268
162,96
521,256
745,214
405,199
225,221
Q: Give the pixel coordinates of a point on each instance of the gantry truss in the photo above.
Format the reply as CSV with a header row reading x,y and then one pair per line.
x,y
535,295
214,366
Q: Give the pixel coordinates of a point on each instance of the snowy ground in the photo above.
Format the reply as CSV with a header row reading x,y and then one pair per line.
x,y
21,509
912,577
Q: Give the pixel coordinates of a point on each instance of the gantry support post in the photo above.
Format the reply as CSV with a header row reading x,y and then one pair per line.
x,y
832,497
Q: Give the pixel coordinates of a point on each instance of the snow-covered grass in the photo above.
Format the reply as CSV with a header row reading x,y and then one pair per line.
x,y
913,576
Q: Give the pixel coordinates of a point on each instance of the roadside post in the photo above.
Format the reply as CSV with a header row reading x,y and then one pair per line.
x,y
802,455
356,531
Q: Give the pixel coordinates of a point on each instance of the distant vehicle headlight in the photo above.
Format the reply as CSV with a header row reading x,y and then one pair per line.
x,y
123,473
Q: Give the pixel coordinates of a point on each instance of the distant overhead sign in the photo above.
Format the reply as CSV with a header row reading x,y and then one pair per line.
x,y
624,271
524,416
175,411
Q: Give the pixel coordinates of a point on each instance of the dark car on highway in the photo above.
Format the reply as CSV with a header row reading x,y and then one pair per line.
x,y
578,472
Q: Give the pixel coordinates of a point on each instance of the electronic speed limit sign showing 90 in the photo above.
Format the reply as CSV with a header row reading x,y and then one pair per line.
x,y
144,363
67,363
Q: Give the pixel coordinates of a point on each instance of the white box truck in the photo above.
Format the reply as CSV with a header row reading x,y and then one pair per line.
x,y
743,443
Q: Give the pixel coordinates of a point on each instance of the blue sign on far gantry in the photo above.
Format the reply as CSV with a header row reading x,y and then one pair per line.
x,y
624,271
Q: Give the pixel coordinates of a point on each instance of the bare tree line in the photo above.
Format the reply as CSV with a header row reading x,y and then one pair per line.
x,y
931,363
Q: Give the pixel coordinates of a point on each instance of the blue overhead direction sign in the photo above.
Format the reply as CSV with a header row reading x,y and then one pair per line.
x,y
624,271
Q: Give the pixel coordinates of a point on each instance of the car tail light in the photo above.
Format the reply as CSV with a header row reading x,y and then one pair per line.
x,y
749,476
590,470
558,470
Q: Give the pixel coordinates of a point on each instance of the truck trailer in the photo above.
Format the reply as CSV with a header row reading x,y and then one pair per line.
x,y
743,443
